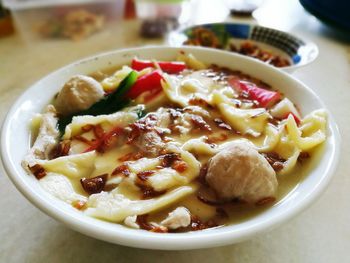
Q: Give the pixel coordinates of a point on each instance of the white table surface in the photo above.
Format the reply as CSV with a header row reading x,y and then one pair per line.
x,y
319,234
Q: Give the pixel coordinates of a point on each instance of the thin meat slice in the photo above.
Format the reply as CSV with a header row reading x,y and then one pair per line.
x,y
150,143
265,98
180,217
46,140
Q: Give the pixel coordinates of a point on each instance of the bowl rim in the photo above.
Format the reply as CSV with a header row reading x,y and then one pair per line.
x,y
306,42
145,239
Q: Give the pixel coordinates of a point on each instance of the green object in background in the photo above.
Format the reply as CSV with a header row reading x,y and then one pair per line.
x,y
221,33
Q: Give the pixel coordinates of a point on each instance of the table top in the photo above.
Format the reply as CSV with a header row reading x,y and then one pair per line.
x,y
319,234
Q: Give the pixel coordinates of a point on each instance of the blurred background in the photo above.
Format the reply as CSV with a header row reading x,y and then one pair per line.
x,y
78,20
78,28
90,26
52,33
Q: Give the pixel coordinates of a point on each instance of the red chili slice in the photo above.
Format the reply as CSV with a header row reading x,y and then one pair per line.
x,y
265,98
149,82
172,67
152,95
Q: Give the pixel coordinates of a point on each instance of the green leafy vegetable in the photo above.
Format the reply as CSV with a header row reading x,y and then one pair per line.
x,y
109,104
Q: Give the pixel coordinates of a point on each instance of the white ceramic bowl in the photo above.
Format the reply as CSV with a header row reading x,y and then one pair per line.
x,y
15,141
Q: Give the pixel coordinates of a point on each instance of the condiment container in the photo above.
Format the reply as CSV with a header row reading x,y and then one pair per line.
x,y
70,19
160,16
6,27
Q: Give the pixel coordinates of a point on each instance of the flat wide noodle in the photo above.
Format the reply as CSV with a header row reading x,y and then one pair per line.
x,y
246,121
305,143
116,207
271,139
120,119
167,178
73,166
60,187
199,146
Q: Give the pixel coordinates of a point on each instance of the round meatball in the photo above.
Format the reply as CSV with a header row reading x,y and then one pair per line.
x,y
79,93
240,172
